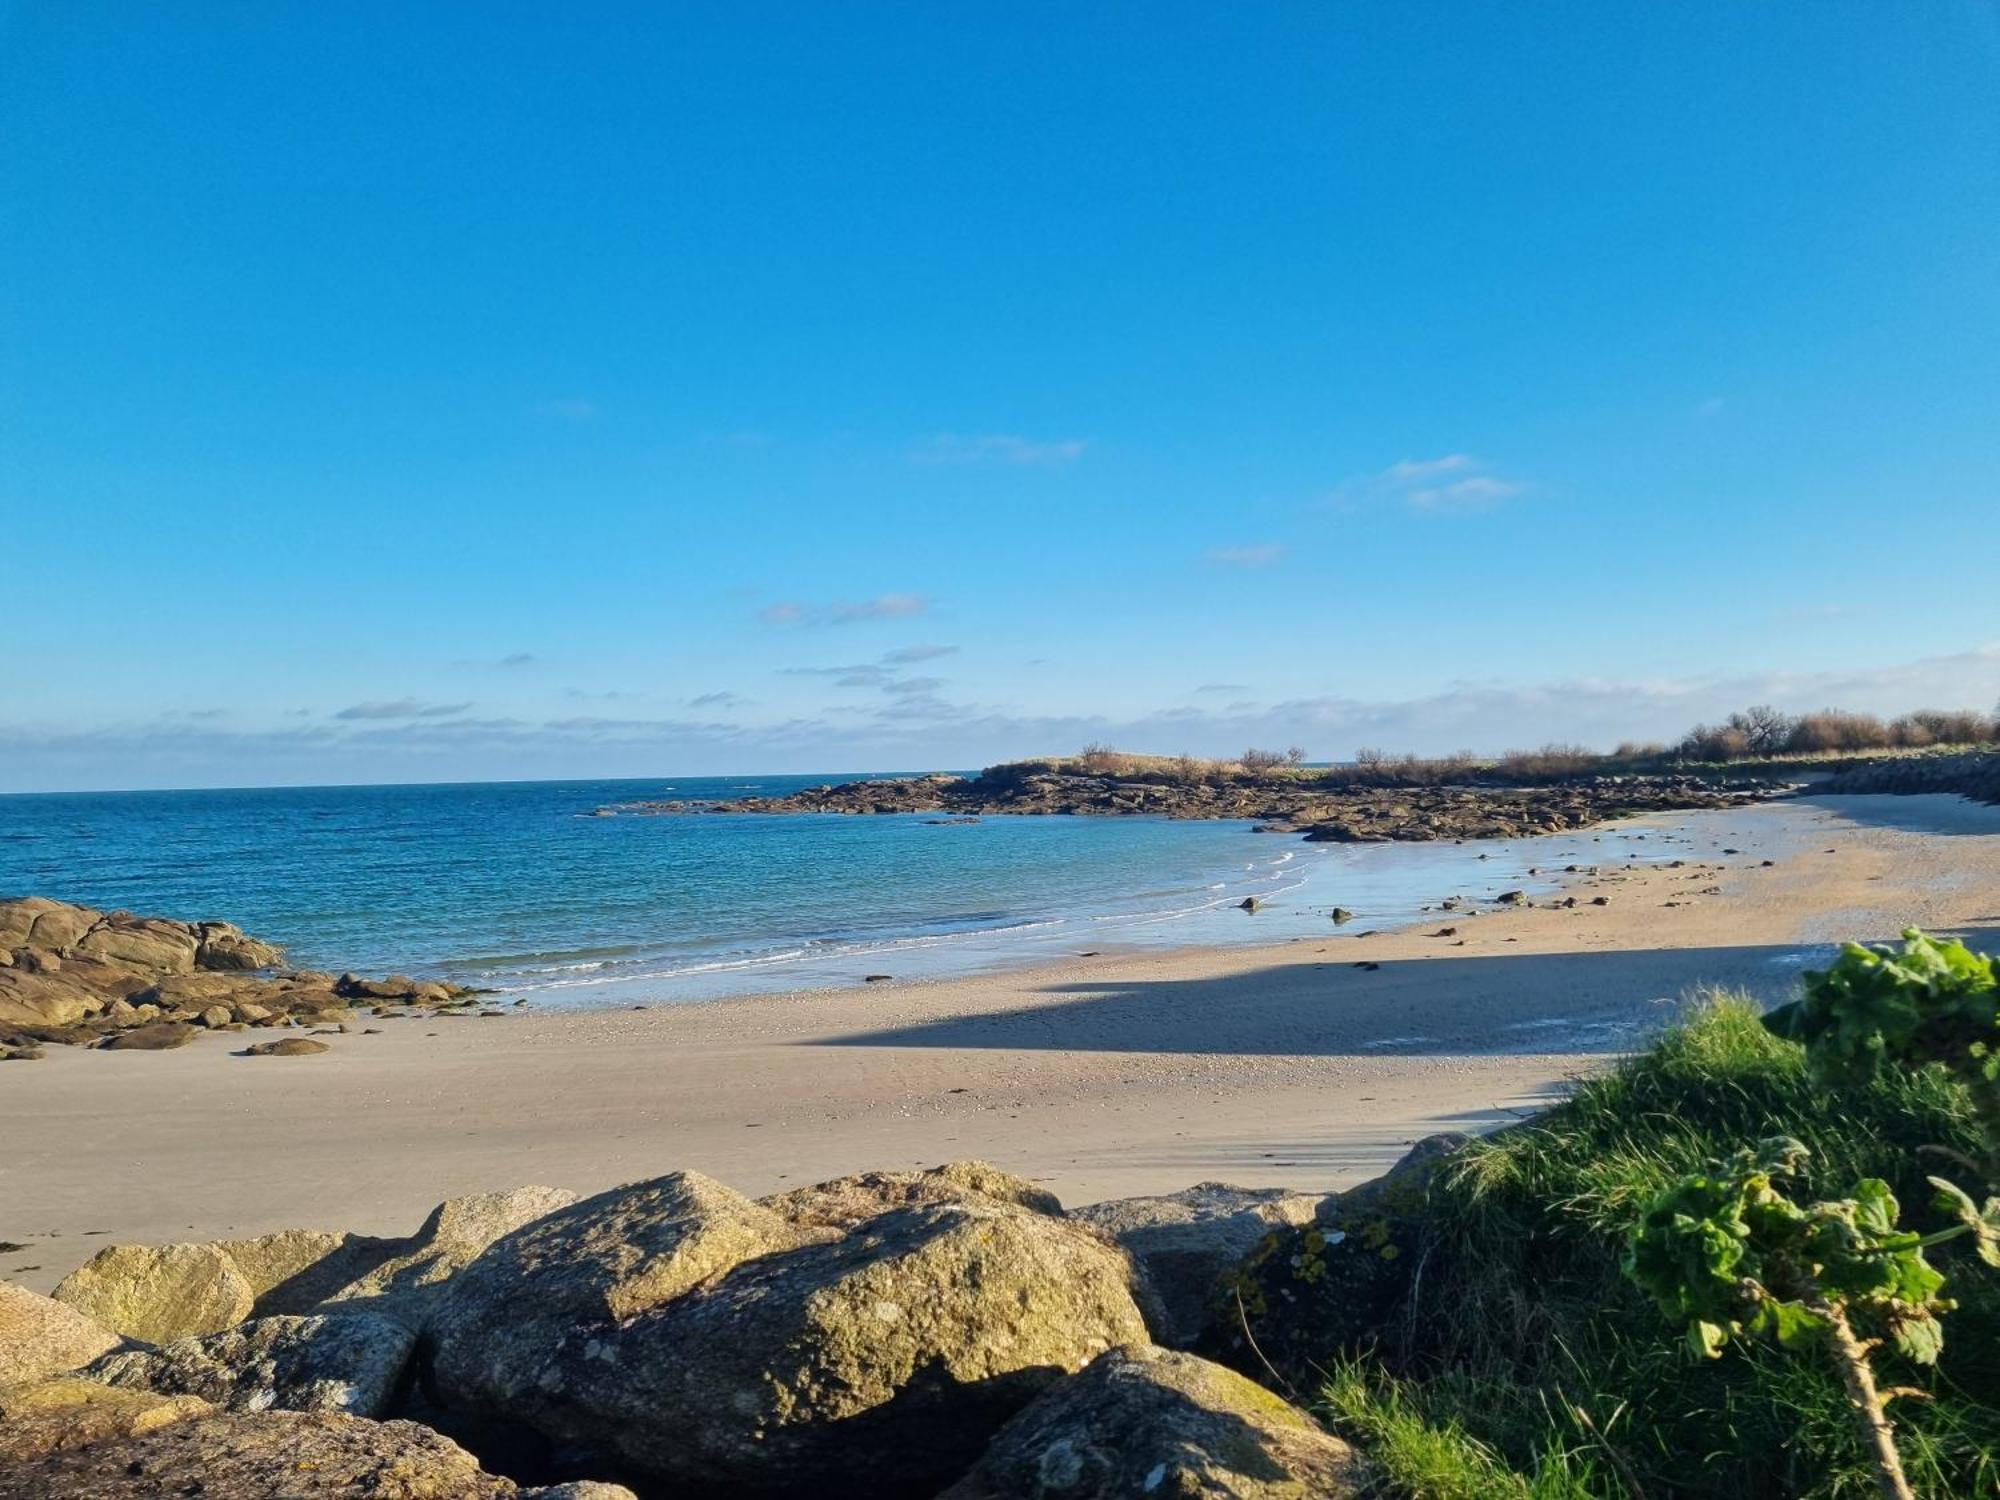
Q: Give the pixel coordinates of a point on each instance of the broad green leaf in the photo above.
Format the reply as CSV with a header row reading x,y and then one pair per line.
x,y
1919,1340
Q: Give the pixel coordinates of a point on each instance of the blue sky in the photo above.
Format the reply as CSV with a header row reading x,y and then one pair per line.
x,y
452,392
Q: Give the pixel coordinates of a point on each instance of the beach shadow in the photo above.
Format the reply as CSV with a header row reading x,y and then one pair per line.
x,y
1323,1005
1347,1150
1944,813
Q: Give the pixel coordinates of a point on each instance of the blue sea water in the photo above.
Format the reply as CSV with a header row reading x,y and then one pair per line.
x,y
517,887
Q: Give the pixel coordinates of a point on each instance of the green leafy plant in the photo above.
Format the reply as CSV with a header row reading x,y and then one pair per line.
x,y
1730,1255
1928,1003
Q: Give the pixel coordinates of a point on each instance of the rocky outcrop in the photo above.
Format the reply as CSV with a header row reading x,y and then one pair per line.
x,y
876,1365
882,1335
224,1455
1327,808
504,1329
159,1293
40,1337
1186,1244
348,1364
75,974
1145,1422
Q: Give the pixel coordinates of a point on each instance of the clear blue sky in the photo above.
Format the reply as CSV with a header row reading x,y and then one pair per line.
x,y
452,391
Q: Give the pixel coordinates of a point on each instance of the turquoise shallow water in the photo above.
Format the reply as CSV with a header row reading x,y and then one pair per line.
x,y
516,887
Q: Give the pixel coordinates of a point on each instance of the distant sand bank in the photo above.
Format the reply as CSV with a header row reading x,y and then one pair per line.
x,y
1101,1077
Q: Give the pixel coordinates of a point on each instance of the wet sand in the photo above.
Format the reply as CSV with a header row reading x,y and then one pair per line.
x,y
1101,1077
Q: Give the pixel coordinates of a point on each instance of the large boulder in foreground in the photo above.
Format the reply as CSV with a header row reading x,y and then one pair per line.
x,y
1187,1244
40,1336
220,1455
407,1284
159,1293
847,1201
499,1330
876,1365
1146,1422
350,1364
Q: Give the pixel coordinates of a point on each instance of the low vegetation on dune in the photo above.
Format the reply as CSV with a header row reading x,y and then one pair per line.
x,y
1661,1287
1755,737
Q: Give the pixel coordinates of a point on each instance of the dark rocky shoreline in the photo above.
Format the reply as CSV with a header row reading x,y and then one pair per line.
x,y
75,975
1342,814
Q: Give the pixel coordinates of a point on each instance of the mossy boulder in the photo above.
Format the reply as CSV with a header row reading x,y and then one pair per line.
x,y
500,1330
876,1365
159,1293
1146,1422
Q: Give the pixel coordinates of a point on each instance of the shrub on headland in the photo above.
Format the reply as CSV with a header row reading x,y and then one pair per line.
x,y
1756,733
1763,731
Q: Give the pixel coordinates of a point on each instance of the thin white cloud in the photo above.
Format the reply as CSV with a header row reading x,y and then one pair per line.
x,y
1255,555
518,659
997,448
1477,492
923,651
1452,484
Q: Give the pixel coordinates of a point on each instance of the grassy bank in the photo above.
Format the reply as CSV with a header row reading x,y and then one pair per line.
x,y
1503,1353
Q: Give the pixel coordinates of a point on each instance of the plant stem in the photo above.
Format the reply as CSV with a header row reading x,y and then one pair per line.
x,y
1916,1241
1876,1429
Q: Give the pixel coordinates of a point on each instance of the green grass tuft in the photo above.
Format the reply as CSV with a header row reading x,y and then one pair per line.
x,y
1518,1354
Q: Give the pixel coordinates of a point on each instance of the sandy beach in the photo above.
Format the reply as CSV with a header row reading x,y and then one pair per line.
x,y
1101,1077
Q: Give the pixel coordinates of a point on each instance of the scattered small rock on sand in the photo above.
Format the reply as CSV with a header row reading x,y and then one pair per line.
x,y
291,1046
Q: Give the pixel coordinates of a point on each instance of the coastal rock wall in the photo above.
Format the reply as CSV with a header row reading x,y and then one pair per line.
x,y
893,1334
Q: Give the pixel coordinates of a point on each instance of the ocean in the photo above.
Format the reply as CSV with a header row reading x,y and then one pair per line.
x,y
516,887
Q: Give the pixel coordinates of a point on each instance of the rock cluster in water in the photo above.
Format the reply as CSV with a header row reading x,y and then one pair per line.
x,y
1346,813
77,975
948,1333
